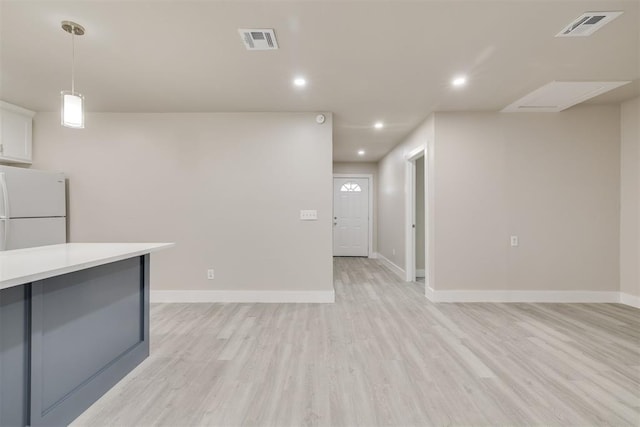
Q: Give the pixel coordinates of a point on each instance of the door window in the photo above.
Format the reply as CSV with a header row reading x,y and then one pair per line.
x,y
350,186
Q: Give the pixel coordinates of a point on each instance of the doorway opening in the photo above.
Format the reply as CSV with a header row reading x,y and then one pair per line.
x,y
417,221
420,216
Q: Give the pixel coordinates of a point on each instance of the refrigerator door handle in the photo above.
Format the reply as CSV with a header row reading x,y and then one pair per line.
x,y
5,196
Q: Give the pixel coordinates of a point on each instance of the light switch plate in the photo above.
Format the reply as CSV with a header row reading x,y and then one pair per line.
x,y
309,215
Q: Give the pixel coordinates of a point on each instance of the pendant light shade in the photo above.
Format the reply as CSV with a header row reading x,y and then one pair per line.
x,y
72,109
72,102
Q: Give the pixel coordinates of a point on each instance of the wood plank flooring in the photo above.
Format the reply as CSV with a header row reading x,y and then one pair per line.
x,y
382,355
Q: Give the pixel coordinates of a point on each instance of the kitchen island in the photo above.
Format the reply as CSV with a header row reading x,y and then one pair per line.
x,y
74,320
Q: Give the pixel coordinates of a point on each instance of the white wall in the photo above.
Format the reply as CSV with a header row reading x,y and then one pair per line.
x,y
365,168
630,198
551,179
392,191
226,187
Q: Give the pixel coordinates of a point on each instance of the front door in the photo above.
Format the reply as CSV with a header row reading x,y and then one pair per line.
x,y
350,217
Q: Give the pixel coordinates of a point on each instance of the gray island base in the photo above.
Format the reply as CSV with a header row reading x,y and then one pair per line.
x,y
65,340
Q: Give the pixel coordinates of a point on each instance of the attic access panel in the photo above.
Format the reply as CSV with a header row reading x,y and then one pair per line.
x,y
557,96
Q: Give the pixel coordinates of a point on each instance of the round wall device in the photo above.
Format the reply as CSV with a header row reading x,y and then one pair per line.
x,y
320,119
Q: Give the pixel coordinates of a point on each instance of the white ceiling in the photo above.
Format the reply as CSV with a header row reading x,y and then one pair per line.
x,y
364,60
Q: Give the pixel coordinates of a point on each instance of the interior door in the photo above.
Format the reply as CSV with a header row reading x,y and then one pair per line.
x,y
350,217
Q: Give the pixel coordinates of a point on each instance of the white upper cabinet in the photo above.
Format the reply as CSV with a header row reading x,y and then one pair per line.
x,y
15,133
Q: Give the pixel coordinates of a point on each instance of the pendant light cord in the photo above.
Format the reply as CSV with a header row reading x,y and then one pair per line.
x,y
73,60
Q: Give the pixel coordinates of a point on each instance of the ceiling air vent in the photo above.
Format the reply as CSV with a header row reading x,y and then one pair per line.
x,y
258,38
588,23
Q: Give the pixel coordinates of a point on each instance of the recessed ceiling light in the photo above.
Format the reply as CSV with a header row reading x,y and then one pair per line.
x,y
459,81
378,125
299,82
360,152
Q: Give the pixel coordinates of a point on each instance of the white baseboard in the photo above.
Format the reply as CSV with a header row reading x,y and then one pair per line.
x,y
429,293
420,273
397,270
628,299
193,296
525,296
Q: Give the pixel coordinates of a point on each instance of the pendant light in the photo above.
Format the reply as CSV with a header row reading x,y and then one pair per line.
x,y
72,101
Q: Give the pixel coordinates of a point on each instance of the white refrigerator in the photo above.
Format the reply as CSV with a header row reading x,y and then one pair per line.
x,y
32,208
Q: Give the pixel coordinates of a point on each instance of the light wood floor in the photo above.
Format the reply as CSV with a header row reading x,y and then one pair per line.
x,y
382,355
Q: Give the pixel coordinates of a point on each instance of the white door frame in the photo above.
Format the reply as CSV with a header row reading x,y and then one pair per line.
x,y
369,178
410,213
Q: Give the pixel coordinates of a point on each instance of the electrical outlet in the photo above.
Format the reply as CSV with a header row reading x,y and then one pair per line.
x,y
514,241
393,251
210,274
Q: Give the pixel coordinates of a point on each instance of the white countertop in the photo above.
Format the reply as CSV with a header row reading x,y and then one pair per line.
x,y
27,265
